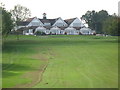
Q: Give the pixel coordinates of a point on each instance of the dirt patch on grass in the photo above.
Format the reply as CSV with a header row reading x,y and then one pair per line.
x,y
40,57
51,52
35,76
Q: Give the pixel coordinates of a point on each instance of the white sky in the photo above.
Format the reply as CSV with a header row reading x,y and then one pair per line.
x,y
63,8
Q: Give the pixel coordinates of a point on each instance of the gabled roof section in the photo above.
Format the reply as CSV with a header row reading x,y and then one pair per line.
x,y
52,21
69,21
60,20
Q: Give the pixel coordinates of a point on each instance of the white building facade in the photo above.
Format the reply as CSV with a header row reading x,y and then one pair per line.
x,y
56,26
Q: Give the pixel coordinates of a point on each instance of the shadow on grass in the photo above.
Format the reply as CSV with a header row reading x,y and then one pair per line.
x,y
26,46
44,42
14,69
8,48
8,74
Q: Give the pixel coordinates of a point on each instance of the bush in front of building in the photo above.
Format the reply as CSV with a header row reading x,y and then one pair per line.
x,y
40,33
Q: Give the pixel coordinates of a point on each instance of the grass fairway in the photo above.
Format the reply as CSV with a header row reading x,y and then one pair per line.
x,y
60,62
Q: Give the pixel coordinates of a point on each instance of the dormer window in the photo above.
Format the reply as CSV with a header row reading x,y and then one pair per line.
x,y
76,24
35,23
59,24
47,24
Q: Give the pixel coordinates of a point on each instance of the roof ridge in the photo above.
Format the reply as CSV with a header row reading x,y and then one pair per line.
x,y
70,18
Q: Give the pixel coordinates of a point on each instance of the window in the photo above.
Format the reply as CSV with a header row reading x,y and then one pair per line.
x,y
35,23
59,24
27,31
47,24
76,24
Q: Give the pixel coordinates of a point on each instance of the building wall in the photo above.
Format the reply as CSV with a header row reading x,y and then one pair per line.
x,y
55,30
85,31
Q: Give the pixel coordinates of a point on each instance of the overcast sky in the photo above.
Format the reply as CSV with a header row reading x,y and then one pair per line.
x,y
63,8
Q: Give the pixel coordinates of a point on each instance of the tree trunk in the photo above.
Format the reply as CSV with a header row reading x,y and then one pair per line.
x,y
17,36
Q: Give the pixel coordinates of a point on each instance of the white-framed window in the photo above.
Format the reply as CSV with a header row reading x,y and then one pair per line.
x,y
47,24
35,23
59,24
76,24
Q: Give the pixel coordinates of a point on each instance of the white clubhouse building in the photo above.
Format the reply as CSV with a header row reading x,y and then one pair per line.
x,y
56,26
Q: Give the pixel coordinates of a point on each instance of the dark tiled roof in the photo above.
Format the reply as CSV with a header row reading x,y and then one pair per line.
x,y
62,28
23,23
22,28
27,28
48,27
69,21
77,28
30,19
32,27
51,21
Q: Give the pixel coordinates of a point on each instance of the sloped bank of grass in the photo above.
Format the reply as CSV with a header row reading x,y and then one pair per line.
x,y
73,61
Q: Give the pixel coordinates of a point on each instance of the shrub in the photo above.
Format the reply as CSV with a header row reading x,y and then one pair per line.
x,y
40,33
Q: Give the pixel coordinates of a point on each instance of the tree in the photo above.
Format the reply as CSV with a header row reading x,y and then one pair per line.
x,y
118,26
20,13
95,19
90,18
102,16
111,25
7,22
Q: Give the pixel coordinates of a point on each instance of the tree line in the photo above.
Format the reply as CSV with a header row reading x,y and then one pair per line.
x,y
101,21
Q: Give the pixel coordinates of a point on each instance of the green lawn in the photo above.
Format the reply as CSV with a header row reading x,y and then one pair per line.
x,y
61,61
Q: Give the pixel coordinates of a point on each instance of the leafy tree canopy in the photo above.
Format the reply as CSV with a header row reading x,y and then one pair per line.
x,y
7,22
95,19
20,13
